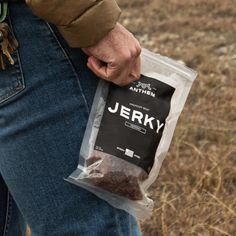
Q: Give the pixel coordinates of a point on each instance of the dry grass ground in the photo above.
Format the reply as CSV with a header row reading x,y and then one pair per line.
x,y
195,194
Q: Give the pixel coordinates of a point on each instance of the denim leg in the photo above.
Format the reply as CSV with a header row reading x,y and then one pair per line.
x,y
41,130
11,219
3,204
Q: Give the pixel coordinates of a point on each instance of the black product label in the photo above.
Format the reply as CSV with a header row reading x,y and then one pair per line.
x,y
134,120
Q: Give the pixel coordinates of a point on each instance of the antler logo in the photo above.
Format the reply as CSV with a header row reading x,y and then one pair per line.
x,y
144,86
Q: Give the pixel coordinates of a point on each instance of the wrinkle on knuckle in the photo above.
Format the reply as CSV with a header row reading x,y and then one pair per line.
x,y
139,50
125,56
135,51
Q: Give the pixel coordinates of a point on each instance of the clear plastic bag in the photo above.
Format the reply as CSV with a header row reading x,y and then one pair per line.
x,y
129,133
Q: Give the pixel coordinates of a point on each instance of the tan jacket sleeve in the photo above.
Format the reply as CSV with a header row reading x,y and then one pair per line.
x,y
81,22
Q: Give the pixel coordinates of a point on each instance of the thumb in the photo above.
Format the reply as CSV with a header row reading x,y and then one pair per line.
x,y
98,67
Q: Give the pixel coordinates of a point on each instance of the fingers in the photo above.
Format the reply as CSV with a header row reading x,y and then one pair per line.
x,y
136,69
98,67
116,57
128,73
121,75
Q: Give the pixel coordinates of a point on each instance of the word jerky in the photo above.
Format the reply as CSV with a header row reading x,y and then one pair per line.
x,y
138,116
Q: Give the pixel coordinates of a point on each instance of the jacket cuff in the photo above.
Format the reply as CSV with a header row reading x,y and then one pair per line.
x,y
92,26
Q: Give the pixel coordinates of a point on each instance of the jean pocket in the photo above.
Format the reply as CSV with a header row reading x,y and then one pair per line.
x,y
11,79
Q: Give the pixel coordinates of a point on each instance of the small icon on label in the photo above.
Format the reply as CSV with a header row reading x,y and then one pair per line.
x,y
120,149
144,86
129,153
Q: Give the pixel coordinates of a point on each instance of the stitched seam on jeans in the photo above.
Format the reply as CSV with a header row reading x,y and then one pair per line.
x,y
74,71
17,72
8,214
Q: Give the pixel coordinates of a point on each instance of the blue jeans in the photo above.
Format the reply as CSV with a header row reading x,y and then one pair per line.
x,y
45,99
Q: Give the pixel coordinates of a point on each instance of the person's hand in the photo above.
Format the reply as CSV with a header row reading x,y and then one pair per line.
x,y
116,57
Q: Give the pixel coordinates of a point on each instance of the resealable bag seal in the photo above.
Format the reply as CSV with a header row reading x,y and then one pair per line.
x,y
129,132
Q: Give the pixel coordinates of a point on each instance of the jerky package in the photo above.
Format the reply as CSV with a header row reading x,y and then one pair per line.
x,y
129,133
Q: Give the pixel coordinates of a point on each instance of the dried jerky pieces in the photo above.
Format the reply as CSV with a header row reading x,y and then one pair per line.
x,y
116,175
